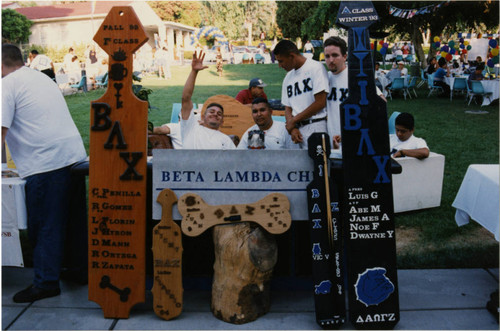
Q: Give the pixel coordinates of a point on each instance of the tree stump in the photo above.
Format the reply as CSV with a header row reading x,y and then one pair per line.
x,y
245,256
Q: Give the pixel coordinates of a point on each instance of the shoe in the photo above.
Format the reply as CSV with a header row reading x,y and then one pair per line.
x,y
32,293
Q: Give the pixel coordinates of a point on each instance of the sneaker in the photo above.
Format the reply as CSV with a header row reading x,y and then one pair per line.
x,y
32,293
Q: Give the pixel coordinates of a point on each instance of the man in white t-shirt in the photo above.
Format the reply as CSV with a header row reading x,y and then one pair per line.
x,y
202,134
44,143
173,130
42,63
303,93
68,59
265,133
335,49
404,143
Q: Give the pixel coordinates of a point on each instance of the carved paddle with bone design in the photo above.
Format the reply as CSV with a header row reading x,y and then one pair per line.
x,y
271,212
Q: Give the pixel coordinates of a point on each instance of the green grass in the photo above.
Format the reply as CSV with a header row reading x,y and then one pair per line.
x,y
429,238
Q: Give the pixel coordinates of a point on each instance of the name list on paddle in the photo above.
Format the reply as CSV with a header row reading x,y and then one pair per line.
x,y
367,216
112,211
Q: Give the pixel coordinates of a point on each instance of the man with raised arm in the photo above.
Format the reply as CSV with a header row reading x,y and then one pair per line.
x,y
303,93
202,134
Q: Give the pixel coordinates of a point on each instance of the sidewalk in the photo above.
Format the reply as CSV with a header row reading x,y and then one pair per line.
x,y
444,299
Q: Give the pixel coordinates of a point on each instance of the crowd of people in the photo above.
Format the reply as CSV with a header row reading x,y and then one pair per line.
x,y
45,150
311,96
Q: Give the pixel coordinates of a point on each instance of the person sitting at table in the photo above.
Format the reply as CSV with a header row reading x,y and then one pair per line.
x,y
431,68
455,68
439,77
404,143
173,130
379,75
402,69
266,133
477,74
479,61
203,134
255,90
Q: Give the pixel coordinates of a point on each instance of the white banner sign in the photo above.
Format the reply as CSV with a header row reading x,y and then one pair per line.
x,y
233,177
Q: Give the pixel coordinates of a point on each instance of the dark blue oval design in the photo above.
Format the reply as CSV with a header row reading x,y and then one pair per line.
x,y
373,287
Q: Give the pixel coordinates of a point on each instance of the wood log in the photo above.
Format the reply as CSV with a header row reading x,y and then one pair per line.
x,y
245,256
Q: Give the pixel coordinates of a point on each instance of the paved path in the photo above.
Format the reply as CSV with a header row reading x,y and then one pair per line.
x,y
438,299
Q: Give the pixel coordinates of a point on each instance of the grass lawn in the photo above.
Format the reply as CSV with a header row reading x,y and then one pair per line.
x,y
426,238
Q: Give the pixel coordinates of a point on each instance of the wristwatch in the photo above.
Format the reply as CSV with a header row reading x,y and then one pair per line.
x,y
402,153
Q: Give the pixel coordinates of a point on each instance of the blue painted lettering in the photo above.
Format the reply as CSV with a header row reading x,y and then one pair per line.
x,y
381,161
352,120
362,85
365,137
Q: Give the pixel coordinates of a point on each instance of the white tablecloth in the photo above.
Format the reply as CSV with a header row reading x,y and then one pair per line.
x,y
14,217
493,87
478,197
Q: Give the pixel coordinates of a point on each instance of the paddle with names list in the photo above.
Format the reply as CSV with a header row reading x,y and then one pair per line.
x,y
117,173
367,201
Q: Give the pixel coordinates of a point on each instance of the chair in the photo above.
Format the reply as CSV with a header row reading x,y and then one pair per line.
x,y
398,84
259,58
411,85
176,110
477,89
432,87
103,82
80,86
245,58
459,85
423,80
392,122
279,118
399,58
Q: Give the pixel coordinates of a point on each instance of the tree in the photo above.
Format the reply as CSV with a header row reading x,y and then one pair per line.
x,y
185,12
228,16
15,27
260,15
444,19
239,18
322,19
291,14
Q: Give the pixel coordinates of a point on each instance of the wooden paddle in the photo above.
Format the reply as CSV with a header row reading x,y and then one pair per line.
x,y
272,213
167,256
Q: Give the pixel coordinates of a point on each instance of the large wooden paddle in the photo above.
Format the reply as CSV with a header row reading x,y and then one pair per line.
x,y
117,173
167,256
271,212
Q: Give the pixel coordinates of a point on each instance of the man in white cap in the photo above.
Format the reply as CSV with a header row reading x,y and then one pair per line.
x,y
255,90
402,69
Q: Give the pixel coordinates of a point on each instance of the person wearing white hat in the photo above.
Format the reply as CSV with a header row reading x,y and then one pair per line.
x,y
255,90
401,67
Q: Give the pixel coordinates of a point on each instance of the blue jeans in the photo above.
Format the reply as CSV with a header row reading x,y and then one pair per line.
x,y
47,203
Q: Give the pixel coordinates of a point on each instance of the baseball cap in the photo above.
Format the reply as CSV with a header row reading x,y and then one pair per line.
x,y
401,62
257,82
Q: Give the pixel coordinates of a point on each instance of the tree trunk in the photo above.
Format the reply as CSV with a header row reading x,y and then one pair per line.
x,y
417,43
245,256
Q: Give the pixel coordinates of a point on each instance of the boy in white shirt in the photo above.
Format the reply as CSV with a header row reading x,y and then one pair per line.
x,y
404,143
